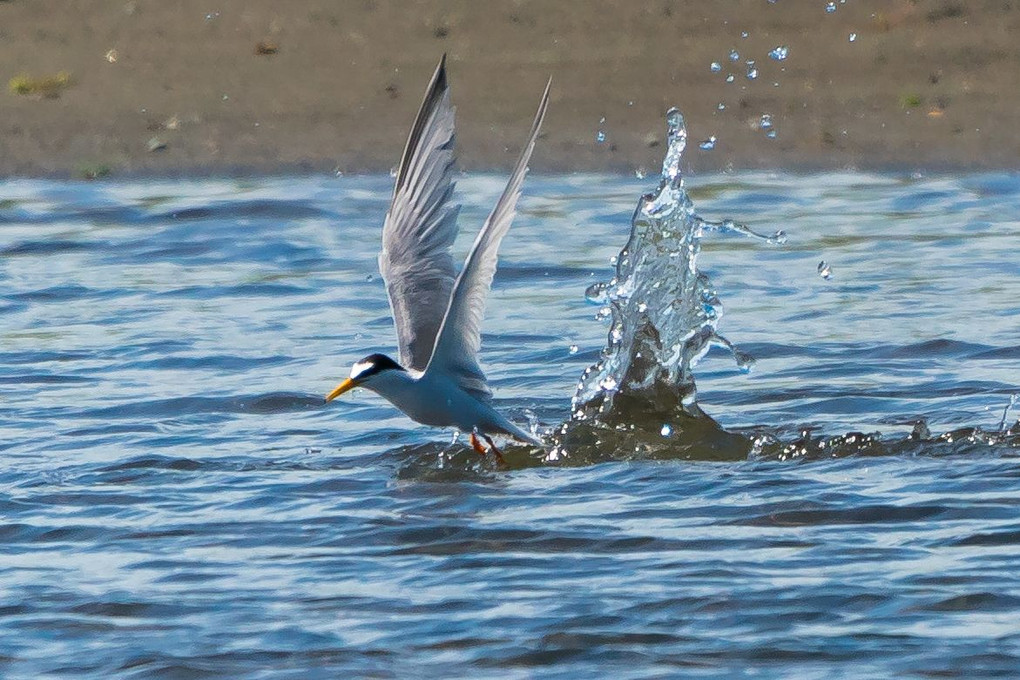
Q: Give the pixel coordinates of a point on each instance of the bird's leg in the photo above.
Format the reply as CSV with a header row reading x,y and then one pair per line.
x,y
492,447
477,445
480,449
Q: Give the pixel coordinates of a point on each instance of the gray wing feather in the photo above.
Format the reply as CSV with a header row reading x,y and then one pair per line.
x,y
420,227
460,336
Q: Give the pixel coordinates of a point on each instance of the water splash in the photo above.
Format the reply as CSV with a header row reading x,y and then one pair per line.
x,y
664,314
920,441
1014,399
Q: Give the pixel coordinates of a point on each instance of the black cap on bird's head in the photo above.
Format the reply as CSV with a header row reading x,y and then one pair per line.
x,y
371,365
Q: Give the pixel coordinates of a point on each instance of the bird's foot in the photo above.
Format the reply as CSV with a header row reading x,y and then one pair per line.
x,y
481,450
492,447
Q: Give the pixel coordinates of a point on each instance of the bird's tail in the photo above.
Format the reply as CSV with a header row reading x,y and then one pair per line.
x,y
511,430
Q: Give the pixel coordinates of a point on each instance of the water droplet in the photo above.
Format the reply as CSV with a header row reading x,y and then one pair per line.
x,y
778,238
368,277
766,121
729,78
779,52
597,294
771,134
666,430
674,121
708,144
393,171
734,55
744,34
752,72
824,270
830,7
642,307
600,136
603,314
608,383
715,67
745,362
721,106
211,15
852,37
572,349
640,173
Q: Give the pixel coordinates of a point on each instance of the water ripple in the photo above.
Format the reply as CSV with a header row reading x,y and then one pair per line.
x,y
177,501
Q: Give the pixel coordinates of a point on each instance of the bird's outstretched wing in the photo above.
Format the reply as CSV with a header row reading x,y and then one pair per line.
x,y
420,227
460,336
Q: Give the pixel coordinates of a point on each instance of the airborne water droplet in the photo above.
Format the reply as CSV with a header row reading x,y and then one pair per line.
x,y
766,121
745,362
572,349
716,67
729,78
666,430
708,144
824,270
734,55
779,53
830,7
853,37
597,294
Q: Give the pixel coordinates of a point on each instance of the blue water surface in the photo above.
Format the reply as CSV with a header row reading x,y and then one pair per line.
x,y
177,502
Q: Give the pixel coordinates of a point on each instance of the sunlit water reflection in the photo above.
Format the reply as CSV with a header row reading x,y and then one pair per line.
x,y
176,501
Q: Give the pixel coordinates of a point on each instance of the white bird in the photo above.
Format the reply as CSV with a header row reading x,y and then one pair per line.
x,y
437,313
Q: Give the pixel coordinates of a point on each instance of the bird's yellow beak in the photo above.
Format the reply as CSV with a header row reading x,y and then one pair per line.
x,y
345,386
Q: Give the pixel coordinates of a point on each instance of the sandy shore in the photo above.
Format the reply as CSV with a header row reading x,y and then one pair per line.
x,y
231,86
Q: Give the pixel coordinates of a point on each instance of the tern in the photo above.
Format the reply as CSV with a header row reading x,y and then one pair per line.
x,y
437,313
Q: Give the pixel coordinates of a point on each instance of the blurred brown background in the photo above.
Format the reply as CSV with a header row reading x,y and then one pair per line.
x,y
232,86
